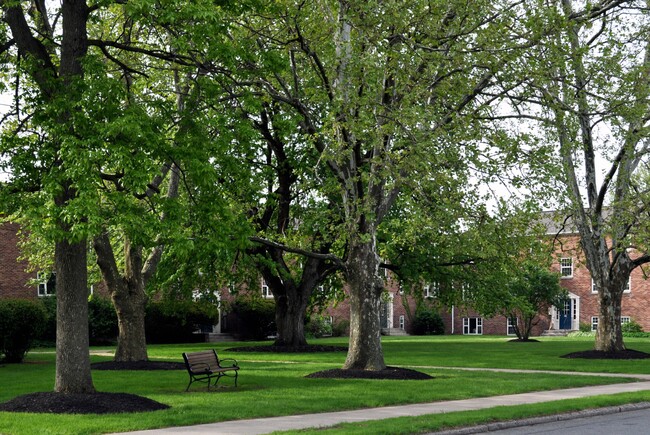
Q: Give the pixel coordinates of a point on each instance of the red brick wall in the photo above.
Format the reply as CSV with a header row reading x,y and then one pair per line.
x,y
636,303
13,274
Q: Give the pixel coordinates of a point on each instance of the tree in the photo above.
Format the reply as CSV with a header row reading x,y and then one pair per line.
x,y
589,92
382,92
53,62
529,291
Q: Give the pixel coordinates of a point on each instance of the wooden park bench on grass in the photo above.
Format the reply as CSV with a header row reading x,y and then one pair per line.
x,y
205,365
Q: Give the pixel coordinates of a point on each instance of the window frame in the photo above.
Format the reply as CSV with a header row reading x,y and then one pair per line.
x,y
467,325
627,289
45,279
594,323
266,290
566,263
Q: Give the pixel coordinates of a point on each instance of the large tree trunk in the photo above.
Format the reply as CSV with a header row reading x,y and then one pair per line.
x,y
130,304
362,273
609,336
290,321
72,343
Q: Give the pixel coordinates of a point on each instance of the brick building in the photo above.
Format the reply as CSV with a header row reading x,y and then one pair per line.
x,y
14,277
398,309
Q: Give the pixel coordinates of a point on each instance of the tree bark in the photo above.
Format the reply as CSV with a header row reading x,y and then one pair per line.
x,y
130,305
290,320
362,273
72,342
609,335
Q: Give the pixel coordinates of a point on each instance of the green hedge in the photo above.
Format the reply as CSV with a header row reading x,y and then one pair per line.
x,y
21,322
172,321
255,317
428,322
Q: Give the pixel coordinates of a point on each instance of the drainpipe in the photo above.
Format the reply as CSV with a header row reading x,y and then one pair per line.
x,y
452,319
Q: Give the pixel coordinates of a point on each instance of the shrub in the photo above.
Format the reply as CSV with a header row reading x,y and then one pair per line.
x,y
631,327
21,321
341,328
174,321
585,327
428,322
318,327
102,321
255,317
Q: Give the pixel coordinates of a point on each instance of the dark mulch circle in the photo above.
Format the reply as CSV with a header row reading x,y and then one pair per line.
x,y
94,403
285,349
599,354
520,340
138,365
394,373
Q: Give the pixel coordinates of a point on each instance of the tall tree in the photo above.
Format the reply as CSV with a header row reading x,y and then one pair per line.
x,y
53,61
381,90
591,88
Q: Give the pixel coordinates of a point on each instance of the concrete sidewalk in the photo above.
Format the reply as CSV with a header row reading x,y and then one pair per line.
x,y
293,422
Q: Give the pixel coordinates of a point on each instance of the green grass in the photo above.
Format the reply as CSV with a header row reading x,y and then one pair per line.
x,y
438,422
275,384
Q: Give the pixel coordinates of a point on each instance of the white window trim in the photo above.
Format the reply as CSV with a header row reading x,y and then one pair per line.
x,y
627,290
466,326
43,279
594,323
509,325
402,322
569,266
432,290
266,291
625,319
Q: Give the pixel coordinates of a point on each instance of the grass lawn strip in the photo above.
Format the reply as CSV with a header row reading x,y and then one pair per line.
x,y
486,420
273,389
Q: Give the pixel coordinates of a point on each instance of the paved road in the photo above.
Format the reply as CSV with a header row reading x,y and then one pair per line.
x,y
630,422
606,421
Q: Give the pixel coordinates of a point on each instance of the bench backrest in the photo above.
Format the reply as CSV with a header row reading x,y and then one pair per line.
x,y
198,361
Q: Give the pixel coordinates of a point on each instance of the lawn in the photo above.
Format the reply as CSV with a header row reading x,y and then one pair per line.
x,y
273,384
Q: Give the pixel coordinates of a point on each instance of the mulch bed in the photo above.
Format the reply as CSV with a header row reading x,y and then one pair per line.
x,y
93,403
599,354
393,373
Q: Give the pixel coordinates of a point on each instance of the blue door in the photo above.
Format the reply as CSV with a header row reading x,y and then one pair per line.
x,y
565,315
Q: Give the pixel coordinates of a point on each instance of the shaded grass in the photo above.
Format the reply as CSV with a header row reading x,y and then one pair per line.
x,y
273,384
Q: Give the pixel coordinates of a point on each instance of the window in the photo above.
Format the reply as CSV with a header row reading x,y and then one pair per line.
x,y
566,267
46,283
594,323
627,289
266,291
625,319
401,322
432,290
472,326
512,322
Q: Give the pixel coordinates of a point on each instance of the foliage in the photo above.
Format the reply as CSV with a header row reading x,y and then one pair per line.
x,y
255,316
428,322
534,288
631,327
175,321
318,327
102,321
585,327
341,328
21,322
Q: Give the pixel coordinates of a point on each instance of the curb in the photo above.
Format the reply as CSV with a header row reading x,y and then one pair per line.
x,y
490,427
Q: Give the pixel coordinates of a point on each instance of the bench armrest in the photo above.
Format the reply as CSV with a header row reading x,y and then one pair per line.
x,y
232,361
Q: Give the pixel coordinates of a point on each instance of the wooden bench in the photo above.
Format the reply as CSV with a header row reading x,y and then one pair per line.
x,y
205,365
